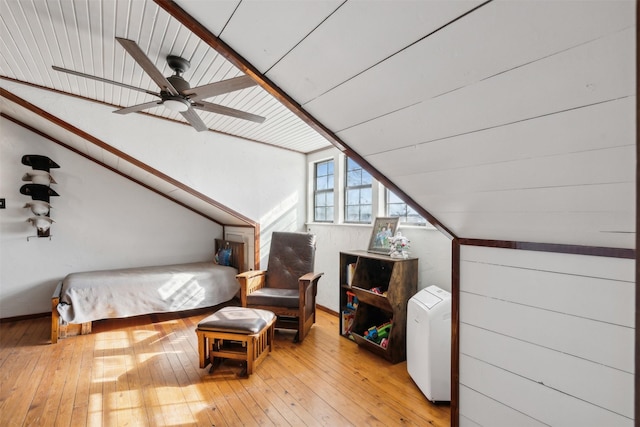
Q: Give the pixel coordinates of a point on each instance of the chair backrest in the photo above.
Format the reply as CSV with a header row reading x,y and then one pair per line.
x,y
291,256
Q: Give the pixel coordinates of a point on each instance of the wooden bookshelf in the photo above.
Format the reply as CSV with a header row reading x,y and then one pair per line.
x,y
382,287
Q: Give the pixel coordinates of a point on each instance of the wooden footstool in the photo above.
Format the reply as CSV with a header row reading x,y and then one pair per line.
x,y
236,333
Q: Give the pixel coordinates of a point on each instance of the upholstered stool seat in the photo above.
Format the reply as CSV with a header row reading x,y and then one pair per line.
x,y
236,333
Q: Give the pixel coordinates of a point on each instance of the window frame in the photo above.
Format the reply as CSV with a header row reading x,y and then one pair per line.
x,y
331,190
378,193
359,188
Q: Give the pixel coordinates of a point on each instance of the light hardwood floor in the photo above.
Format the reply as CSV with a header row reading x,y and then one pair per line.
x,y
144,372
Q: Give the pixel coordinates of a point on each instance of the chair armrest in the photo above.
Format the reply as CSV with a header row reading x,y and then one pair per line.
x,y
308,289
311,277
250,281
307,280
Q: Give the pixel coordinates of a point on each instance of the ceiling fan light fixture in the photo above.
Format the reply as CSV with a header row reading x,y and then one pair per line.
x,y
176,104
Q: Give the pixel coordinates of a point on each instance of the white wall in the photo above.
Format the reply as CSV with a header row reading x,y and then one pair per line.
x,y
431,247
545,339
264,183
102,221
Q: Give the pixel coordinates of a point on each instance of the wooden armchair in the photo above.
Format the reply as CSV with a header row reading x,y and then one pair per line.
x,y
288,287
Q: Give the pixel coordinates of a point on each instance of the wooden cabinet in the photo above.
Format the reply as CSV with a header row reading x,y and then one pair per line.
x,y
378,292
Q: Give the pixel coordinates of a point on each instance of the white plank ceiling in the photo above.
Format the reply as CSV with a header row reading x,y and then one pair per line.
x,y
505,120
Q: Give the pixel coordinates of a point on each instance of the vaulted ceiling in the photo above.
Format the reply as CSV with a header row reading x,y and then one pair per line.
x,y
498,119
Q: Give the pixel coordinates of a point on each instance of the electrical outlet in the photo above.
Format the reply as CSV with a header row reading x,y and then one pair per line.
x,y
2,204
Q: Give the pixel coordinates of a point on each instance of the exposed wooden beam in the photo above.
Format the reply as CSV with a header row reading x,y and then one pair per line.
x,y
553,247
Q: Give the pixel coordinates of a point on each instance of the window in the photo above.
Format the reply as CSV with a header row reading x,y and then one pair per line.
x,y
323,192
358,194
340,191
396,207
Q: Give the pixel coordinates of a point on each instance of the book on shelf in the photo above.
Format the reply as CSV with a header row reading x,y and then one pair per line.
x,y
347,321
351,269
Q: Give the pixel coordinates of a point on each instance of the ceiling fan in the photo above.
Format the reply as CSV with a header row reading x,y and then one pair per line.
x,y
175,92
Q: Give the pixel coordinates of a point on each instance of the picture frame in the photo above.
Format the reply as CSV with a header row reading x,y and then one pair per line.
x,y
383,229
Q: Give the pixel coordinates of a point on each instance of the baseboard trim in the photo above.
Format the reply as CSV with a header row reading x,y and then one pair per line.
x,y
326,310
24,317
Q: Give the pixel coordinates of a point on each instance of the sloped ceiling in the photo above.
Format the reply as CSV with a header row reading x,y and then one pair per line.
x,y
499,120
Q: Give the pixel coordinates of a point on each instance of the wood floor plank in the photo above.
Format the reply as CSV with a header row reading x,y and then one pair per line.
x,y
145,371
276,408
332,391
386,392
59,371
17,392
194,395
70,385
278,386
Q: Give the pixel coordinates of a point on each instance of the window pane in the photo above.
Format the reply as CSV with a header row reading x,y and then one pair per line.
x,y
395,210
322,214
329,200
392,198
352,214
321,183
365,196
367,179
351,164
407,215
353,178
365,213
352,197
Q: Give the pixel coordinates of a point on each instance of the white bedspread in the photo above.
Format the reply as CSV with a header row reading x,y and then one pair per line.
x,y
129,292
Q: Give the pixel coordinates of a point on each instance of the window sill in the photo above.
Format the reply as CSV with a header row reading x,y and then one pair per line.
x,y
350,224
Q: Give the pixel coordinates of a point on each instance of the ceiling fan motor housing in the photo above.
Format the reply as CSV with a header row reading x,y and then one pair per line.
x,y
178,64
179,83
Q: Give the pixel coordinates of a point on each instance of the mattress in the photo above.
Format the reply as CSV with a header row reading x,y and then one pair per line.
x,y
96,295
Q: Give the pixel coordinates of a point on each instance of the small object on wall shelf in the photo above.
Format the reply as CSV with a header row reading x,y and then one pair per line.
x,y
40,191
374,307
39,177
38,162
38,207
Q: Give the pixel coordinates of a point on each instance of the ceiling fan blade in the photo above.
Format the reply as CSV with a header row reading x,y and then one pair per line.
x,y
138,107
146,64
220,109
218,88
195,120
100,79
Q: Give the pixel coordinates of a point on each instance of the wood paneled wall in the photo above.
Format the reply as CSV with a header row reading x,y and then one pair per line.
x,y
545,338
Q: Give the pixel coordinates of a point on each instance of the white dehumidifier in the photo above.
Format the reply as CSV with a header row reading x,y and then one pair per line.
x,y
429,342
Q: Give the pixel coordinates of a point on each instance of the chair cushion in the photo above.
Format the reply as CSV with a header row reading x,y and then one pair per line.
x,y
237,320
275,297
291,256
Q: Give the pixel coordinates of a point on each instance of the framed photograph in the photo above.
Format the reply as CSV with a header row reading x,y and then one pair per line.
x,y
383,229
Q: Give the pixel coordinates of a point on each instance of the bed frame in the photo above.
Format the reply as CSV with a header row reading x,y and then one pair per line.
x,y
60,330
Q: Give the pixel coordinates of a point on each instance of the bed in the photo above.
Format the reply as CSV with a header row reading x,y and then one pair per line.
x,y
81,298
